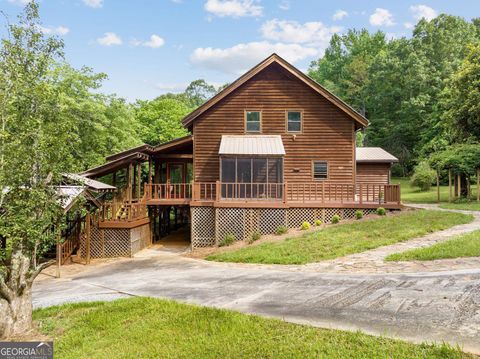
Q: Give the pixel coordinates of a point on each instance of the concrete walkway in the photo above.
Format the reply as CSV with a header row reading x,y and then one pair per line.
x,y
372,261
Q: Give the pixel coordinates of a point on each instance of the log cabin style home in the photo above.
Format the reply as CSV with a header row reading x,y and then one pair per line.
x,y
272,149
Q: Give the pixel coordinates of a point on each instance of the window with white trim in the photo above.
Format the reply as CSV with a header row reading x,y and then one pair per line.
x,y
294,121
253,121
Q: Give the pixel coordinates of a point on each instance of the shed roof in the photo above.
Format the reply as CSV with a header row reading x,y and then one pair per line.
x,y
374,154
68,195
263,145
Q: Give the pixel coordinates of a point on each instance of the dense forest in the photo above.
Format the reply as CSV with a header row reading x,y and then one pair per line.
x,y
420,94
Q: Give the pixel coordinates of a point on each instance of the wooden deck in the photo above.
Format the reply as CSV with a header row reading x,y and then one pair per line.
x,y
274,195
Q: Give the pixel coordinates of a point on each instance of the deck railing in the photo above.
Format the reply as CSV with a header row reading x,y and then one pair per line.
x,y
296,192
123,211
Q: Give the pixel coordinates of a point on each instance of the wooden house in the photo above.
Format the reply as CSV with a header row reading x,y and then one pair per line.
x,y
272,149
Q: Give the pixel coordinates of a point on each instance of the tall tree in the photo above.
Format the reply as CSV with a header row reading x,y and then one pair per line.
x,y
199,91
34,140
462,99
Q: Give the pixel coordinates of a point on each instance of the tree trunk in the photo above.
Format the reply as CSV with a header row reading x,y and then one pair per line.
x,y
16,295
16,315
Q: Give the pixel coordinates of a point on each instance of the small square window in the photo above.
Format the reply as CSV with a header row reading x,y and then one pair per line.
x,y
253,121
320,170
294,121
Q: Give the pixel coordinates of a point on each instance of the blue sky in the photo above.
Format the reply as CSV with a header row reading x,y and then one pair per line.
x,y
149,47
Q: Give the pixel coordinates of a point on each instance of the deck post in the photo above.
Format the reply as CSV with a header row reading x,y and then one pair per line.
x,y
449,185
285,191
217,190
59,256
88,235
150,170
129,182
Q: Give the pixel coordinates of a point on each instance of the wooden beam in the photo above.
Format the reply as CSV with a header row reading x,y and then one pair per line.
x,y
186,156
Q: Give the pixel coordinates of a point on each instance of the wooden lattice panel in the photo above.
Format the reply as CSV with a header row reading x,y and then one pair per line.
x,y
328,213
231,221
270,219
296,216
203,227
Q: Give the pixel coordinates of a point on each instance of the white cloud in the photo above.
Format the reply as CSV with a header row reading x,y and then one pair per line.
x,y
59,30
241,57
408,25
93,3
233,8
284,5
172,87
154,42
293,32
381,17
423,11
19,2
109,39
339,14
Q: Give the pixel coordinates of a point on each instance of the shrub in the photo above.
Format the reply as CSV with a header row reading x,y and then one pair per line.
x,y
359,214
281,230
423,176
318,223
335,219
381,211
228,240
305,226
255,237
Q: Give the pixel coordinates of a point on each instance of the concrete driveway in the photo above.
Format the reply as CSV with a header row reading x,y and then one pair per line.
x,y
442,306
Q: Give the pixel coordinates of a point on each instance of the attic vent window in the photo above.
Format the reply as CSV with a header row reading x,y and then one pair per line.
x,y
253,119
320,170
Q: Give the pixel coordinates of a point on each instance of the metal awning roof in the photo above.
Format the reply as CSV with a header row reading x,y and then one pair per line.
x,y
258,145
374,154
88,182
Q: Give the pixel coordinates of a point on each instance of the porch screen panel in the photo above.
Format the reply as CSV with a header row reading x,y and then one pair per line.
x,y
228,177
259,178
275,177
244,175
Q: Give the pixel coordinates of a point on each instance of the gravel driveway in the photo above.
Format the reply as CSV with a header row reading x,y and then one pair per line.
x,y
442,306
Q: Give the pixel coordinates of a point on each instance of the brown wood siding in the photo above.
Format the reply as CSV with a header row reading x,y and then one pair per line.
x,y
327,131
373,173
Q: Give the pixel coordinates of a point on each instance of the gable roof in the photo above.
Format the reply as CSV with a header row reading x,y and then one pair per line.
x,y
274,58
374,154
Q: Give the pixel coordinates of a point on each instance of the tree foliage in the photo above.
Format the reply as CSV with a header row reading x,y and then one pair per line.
x,y
405,86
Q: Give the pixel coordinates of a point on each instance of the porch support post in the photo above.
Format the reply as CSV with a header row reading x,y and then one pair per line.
x,y
449,185
138,180
59,256
129,181
88,236
150,170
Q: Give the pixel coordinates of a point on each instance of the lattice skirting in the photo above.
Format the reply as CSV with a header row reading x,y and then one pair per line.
x,y
211,225
115,242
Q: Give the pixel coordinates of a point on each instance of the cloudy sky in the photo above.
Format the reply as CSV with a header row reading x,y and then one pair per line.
x,y
149,47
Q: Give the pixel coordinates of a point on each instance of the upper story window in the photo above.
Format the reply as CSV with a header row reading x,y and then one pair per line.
x,y
294,121
320,170
253,121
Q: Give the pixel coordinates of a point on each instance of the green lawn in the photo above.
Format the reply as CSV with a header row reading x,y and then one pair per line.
x,y
339,240
153,328
414,195
467,245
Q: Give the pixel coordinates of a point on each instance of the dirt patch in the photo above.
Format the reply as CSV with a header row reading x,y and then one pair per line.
x,y
202,253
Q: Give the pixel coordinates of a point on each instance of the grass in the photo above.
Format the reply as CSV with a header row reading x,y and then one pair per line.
x,y
414,195
154,328
339,240
467,245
